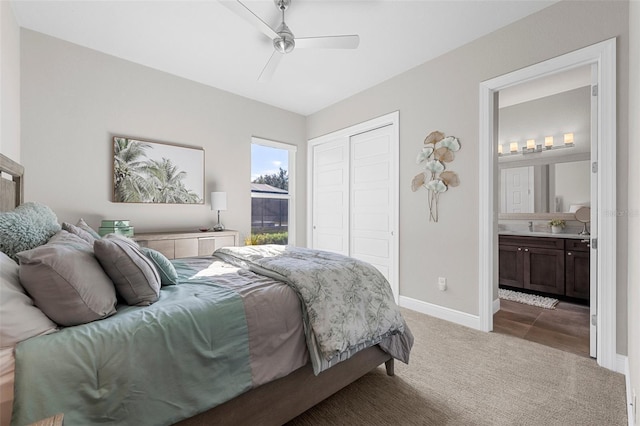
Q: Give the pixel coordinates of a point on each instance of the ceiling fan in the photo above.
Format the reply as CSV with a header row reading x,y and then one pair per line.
x,y
283,39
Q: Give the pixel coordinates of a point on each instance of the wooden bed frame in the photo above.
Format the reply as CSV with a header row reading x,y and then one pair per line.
x,y
273,403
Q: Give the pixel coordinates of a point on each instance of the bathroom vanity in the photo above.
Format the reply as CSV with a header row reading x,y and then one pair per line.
x,y
547,263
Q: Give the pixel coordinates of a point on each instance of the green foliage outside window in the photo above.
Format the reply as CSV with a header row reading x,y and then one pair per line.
x,y
267,238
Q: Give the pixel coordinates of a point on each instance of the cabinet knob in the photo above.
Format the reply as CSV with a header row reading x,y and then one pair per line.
x,y
519,249
569,253
526,249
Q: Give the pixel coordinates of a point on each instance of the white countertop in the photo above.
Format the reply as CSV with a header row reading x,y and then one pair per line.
x,y
544,234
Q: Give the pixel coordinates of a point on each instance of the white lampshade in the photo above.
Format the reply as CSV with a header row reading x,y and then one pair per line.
x,y
218,201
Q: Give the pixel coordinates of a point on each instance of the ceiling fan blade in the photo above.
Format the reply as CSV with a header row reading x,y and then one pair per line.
x,y
270,68
237,7
328,42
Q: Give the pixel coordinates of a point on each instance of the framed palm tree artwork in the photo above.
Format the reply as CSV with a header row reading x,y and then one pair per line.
x,y
155,172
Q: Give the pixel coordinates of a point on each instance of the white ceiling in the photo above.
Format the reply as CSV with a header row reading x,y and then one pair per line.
x,y
205,42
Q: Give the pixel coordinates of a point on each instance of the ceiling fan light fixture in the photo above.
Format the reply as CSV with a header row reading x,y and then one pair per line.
x,y
284,44
286,41
283,39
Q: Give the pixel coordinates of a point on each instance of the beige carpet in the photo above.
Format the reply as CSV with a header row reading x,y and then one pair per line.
x,y
459,376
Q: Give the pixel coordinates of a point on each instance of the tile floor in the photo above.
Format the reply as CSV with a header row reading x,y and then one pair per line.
x,y
565,328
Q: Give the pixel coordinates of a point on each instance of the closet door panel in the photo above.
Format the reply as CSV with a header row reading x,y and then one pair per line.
x,y
371,209
353,194
330,215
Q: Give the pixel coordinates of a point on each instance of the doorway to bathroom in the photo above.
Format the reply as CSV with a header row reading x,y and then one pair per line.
x,y
602,316
544,157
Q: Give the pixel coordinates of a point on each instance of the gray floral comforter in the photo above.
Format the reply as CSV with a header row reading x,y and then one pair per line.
x,y
347,304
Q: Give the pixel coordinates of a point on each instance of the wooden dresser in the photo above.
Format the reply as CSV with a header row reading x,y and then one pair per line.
x,y
177,244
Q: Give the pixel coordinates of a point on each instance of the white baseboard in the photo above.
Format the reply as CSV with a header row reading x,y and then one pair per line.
x,y
457,317
496,305
622,366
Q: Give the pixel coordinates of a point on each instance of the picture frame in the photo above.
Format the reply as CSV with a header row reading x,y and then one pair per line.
x,y
156,172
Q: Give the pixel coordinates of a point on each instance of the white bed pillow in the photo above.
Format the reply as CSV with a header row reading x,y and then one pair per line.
x,y
19,318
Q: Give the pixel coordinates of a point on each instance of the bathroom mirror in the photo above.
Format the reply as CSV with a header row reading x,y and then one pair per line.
x,y
545,181
554,187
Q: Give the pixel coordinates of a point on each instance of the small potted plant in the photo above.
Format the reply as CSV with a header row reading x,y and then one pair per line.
x,y
557,225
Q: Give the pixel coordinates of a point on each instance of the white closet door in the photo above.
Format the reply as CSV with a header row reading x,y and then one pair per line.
x,y
373,191
331,196
353,202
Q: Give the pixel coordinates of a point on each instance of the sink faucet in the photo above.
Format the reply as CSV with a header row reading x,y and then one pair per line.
x,y
530,226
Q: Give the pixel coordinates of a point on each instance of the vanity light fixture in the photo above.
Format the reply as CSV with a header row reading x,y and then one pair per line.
x,y
548,142
568,139
531,146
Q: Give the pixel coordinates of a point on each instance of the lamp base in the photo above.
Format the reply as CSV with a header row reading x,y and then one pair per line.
x,y
218,227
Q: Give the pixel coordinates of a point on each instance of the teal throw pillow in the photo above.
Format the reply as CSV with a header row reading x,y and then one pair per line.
x,y
28,226
168,274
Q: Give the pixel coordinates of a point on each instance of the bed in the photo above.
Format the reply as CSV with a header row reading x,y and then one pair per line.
x,y
281,370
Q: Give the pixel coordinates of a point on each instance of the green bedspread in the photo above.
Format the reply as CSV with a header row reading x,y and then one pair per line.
x,y
133,368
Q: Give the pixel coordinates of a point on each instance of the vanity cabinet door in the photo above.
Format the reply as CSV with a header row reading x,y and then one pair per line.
x,y
511,265
544,270
577,277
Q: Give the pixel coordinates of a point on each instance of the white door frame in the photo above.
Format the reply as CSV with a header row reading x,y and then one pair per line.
x,y
603,55
392,119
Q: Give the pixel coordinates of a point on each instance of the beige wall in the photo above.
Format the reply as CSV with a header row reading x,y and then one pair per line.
x,y
9,83
75,99
443,95
634,200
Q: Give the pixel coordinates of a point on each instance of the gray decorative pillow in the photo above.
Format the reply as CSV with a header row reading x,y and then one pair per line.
x,y
28,226
66,281
83,225
76,230
19,318
168,274
134,275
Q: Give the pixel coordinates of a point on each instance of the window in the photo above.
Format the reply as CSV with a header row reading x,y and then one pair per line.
x,y
272,189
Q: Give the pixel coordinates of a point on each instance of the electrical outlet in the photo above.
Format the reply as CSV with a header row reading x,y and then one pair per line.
x,y
442,283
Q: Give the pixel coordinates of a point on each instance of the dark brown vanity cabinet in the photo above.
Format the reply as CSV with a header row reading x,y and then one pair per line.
x,y
577,274
533,263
